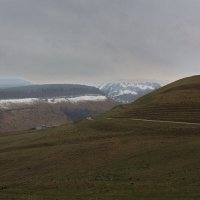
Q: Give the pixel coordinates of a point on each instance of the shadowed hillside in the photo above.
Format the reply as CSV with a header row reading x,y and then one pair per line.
x,y
178,101
28,116
47,91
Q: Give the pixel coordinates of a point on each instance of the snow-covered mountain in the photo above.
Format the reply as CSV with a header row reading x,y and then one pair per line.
x,y
127,92
50,93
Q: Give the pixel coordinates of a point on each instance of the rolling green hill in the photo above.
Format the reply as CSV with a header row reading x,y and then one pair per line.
x,y
105,159
178,101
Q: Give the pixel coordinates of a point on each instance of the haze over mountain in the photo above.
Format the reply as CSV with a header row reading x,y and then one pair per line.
x,y
13,82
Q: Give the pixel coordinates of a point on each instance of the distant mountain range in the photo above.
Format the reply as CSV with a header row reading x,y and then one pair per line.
x,y
25,106
35,106
121,91
127,92
49,91
13,82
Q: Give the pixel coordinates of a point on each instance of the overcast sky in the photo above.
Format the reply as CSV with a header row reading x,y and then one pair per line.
x,y
62,41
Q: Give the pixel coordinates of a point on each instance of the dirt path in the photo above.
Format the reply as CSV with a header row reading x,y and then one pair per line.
x,y
161,121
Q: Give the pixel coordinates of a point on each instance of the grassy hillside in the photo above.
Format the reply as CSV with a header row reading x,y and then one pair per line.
x,y
178,101
104,158
114,159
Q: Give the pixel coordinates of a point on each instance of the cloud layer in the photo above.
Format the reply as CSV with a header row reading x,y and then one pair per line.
x,y
93,41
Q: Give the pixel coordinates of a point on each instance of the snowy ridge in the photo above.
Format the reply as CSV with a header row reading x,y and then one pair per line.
x,y
7,103
19,101
28,101
78,99
127,92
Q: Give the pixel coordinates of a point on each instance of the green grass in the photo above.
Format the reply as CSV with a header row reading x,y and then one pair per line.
x,y
102,159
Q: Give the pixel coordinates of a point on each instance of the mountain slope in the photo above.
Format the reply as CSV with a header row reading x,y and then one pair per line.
x,y
127,92
24,116
48,91
107,158
102,159
178,101
23,108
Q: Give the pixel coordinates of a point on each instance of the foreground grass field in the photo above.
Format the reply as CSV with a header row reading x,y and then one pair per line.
x,y
118,159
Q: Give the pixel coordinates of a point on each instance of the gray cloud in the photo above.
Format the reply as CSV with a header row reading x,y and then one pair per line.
x,y
92,41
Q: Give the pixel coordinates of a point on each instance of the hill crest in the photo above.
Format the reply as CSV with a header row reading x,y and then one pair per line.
x,y
177,101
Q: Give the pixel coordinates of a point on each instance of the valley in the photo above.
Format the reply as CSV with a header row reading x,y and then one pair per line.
x,y
36,106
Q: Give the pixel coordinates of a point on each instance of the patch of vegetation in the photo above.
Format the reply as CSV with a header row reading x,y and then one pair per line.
x,y
112,159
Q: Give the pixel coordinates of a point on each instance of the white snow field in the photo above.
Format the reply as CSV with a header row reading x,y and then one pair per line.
x,y
28,101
